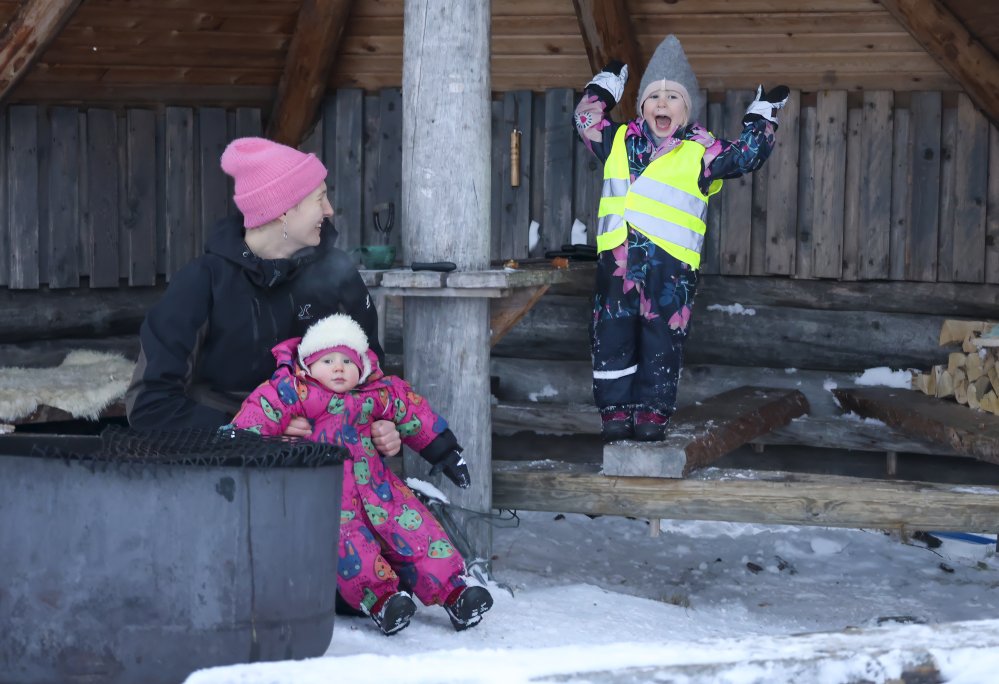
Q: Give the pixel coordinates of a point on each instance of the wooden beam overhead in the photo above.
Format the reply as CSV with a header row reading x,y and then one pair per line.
x,y
27,35
947,40
608,34
313,48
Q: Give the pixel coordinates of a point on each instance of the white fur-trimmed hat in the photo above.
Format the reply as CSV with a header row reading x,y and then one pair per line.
x,y
326,334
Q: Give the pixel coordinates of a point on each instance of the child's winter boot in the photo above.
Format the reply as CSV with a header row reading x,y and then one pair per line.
x,y
650,426
392,612
466,605
615,424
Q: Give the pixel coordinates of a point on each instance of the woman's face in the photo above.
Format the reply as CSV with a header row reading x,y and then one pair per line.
x,y
304,221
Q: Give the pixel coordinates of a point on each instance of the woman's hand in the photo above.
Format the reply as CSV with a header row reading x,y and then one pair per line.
x,y
386,437
299,426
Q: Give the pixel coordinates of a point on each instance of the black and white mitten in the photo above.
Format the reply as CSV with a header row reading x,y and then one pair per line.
x,y
766,104
608,85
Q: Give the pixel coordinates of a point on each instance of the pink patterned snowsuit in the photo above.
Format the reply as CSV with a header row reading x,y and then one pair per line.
x,y
384,529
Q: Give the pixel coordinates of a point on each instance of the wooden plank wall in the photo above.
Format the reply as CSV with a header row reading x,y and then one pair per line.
x,y
878,186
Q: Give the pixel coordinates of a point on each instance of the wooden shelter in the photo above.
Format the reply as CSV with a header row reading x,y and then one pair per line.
x,y
876,218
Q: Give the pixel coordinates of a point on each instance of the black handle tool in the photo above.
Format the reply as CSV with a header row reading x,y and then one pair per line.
x,y
440,266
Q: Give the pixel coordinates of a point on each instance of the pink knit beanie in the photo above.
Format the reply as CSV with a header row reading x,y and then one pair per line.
x,y
271,178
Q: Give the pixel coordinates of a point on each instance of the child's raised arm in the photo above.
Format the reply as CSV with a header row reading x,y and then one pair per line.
x,y
592,115
734,158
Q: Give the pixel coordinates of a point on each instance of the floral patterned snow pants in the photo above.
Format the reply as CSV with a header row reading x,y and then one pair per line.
x,y
641,319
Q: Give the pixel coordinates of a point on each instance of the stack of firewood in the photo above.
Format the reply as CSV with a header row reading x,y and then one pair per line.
x,y
971,376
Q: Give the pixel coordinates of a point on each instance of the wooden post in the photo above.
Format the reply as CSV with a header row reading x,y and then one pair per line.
x,y
445,216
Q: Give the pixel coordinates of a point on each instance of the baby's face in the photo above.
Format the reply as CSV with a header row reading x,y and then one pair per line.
x,y
336,372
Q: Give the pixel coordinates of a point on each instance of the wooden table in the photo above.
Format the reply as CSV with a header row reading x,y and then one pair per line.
x,y
512,291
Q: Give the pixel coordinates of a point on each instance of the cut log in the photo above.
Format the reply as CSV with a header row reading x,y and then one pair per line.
x,y
955,331
699,435
973,398
926,383
994,378
945,382
990,403
972,434
978,389
960,386
969,346
973,366
955,360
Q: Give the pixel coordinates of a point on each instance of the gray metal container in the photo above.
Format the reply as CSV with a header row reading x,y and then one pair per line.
x,y
125,572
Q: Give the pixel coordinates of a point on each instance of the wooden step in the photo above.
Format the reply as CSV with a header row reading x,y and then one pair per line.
x,y
769,498
698,435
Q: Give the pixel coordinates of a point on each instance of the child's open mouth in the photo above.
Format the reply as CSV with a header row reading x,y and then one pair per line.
x,y
663,122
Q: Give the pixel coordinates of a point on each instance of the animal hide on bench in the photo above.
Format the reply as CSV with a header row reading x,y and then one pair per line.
x,y
86,383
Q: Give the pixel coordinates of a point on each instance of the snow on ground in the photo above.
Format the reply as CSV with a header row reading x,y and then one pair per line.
x,y
594,599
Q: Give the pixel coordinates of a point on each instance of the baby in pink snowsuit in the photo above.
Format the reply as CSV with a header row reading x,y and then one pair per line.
x,y
332,378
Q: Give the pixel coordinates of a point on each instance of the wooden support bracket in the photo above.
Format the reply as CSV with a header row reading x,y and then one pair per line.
x,y
966,431
701,434
506,312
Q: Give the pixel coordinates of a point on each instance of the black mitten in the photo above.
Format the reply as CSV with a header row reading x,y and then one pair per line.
x,y
454,468
766,104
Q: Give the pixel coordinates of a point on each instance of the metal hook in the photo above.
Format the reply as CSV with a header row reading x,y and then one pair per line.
x,y
376,215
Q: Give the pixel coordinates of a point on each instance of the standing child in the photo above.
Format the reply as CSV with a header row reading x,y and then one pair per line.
x,y
331,377
659,171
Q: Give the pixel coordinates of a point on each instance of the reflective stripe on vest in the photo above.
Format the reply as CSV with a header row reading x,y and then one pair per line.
x,y
610,213
664,203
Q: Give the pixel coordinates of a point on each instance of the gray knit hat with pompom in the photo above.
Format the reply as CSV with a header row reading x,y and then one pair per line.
x,y
669,63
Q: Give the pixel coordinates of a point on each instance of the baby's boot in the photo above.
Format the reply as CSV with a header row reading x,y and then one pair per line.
x,y
392,612
466,605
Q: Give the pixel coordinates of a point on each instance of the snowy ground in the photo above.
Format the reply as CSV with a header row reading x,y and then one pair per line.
x,y
599,600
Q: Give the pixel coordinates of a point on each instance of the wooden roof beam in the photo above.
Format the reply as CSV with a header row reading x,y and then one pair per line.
x,y
947,40
27,35
608,34
313,48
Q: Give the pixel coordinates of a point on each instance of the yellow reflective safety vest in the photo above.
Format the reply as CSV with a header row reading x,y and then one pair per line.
x,y
664,203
